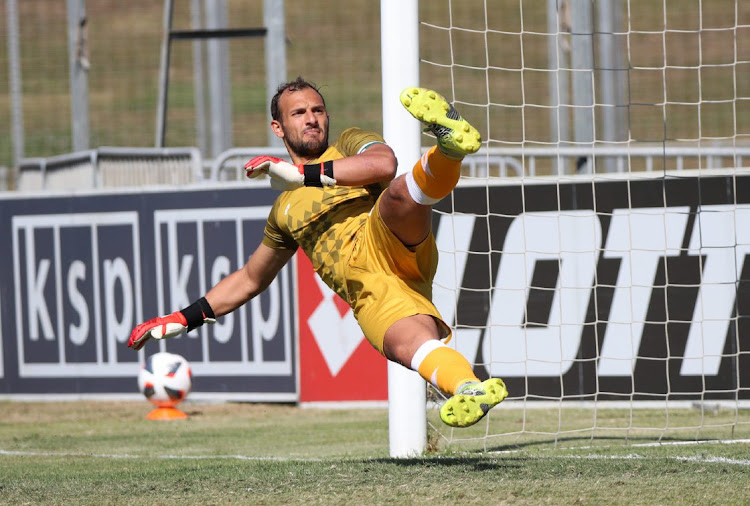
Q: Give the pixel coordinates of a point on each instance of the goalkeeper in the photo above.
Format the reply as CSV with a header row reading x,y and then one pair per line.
x,y
370,241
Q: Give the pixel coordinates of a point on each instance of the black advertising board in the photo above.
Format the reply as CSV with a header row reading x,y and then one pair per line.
x,y
82,270
614,289
619,289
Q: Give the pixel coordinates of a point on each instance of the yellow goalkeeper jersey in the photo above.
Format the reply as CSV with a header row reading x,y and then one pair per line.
x,y
342,232
322,221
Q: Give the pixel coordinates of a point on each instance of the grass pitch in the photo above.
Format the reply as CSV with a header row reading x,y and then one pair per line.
x,y
108,453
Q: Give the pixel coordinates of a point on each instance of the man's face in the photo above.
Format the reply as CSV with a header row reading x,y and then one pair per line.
x,y
303,123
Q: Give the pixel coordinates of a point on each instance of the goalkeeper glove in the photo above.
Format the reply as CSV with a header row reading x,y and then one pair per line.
x,y
285,176
172,325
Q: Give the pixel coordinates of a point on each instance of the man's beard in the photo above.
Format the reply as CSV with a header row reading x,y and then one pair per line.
x,y
308,149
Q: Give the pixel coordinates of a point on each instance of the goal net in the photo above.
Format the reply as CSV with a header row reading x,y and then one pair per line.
x,y
594,253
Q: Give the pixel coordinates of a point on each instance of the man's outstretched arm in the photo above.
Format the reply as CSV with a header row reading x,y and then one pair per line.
x,y
377,164
244,284
226,296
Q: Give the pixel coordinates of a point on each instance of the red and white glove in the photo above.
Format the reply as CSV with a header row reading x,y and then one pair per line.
x,y
158,328
286,176
172,325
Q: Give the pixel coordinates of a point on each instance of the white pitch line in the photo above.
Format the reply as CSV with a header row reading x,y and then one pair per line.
x,y
642,445
635,456
690,443
716,460
707,460
14,453
631,456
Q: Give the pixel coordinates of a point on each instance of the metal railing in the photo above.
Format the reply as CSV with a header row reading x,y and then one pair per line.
x,y
111,167
543,161
562,160
4,178
230,165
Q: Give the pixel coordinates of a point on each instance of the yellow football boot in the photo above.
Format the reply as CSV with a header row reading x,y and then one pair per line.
x,y
472,402
454,134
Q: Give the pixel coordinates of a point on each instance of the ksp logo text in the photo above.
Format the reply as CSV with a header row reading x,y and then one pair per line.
x,y
194,250
77,287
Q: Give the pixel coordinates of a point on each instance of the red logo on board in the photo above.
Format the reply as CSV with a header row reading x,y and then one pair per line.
x,y
337,363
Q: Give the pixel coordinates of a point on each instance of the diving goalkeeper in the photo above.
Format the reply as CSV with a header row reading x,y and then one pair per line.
x,y
368,236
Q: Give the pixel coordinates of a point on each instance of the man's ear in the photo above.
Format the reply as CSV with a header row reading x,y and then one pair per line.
x,y
276,128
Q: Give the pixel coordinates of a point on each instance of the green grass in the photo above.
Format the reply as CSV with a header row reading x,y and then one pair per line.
x,y
108,453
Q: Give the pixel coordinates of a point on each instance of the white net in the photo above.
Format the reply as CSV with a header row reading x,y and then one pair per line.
x,y
594,253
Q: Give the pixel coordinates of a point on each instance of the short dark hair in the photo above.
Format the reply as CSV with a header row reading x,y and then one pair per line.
x,y
296,85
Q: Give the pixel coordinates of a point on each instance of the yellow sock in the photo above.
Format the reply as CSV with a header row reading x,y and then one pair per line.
x,y
442,366
433,177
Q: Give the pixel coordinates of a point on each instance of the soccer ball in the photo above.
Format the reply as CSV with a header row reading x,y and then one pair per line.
x,y
165,379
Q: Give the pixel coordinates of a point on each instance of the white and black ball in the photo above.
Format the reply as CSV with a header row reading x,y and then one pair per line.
x,y
165,379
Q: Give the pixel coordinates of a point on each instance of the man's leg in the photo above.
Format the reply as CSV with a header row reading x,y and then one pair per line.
x,y
414,342
411,340
406,206
409,221
406,209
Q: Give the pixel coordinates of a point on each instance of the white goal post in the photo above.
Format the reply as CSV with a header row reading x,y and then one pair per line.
x,y
407,426
608,268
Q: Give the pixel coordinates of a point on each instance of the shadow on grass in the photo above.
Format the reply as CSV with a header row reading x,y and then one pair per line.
x,y
478,463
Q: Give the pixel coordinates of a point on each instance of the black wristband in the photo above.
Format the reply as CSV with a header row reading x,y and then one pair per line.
x,y
313,172
197,312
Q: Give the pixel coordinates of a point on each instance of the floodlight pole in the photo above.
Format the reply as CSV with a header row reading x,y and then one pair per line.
x,y
199,92
219,90
78,65
14,82
161,114
611,52
582,63
559,86
399,43
275,50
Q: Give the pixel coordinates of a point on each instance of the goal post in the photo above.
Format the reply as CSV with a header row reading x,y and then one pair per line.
x,y
407,425
595,254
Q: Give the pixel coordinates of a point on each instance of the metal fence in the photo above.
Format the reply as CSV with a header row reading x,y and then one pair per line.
x,y
116,46
4,176
117,167
687,71
111,167
558,161
543,161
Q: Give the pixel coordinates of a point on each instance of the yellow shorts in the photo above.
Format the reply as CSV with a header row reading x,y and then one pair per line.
x,y
386,281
